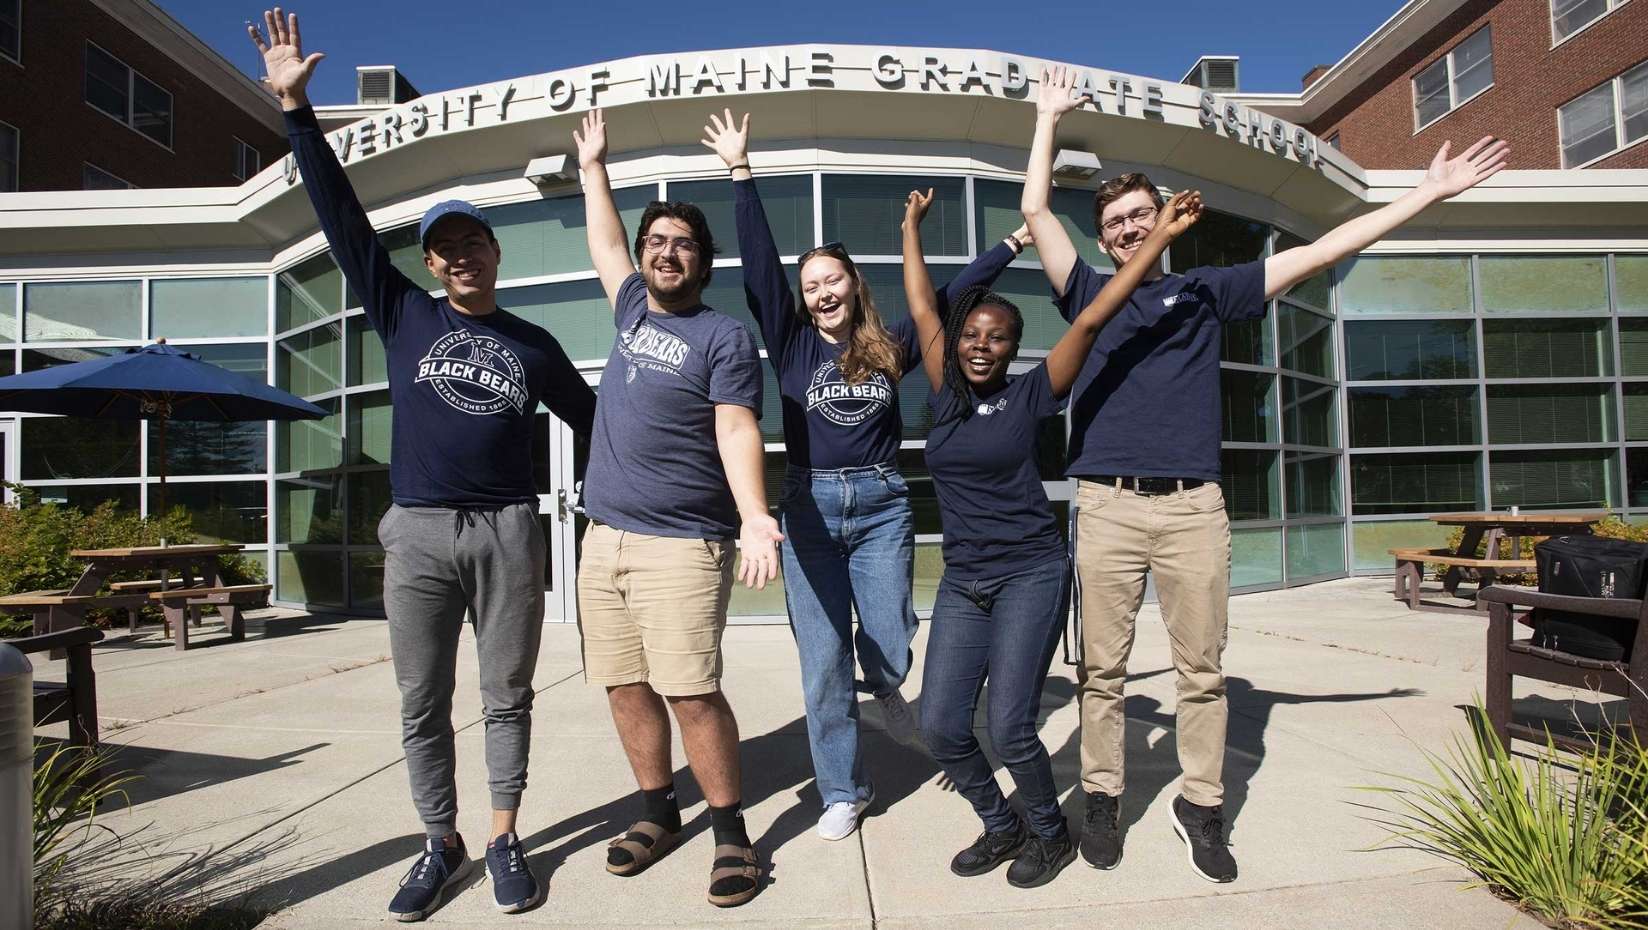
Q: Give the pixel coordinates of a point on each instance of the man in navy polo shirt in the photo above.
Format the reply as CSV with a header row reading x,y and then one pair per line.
x,y
1144,444
465,380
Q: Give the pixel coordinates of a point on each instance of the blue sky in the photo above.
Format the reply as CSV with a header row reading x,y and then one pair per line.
x,y
441,45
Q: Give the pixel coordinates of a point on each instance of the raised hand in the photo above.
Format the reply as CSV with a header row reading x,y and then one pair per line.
x,y
592,142
1179,213
758,541
728,139
1057,95
1022,234
916,206
1447,177
289,70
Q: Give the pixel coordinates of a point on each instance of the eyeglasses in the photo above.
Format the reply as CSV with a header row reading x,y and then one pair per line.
x,y
833,249
1144,216
667,245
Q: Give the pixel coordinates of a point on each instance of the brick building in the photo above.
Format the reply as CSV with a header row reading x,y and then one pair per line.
x,y
99,94
1566,81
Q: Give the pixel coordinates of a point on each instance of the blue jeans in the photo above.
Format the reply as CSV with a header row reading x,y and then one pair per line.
x,y
1003,629
849,542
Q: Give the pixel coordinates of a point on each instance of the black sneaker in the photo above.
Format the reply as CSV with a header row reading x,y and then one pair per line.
x,y
989,851
437,870
1041,861
513,887
1203,832
1101,838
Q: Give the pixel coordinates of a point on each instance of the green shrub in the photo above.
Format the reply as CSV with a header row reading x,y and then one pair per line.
x,y
36,538
1565,837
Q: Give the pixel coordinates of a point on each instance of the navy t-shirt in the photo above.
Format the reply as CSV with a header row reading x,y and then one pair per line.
x,y
654,465
995,513
1146,403
463,389
829,423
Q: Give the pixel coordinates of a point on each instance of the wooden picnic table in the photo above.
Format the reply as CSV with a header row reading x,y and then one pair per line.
x,y
1502,526
194,564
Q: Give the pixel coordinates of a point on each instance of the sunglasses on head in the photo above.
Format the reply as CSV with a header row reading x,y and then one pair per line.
x,y
832,249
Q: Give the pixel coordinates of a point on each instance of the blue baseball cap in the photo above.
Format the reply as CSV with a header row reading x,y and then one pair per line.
x,y
445,209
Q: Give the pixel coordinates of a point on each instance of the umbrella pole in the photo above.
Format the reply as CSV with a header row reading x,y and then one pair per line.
x,y
162,488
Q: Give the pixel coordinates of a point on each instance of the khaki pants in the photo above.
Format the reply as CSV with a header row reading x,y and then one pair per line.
x,y
1183,539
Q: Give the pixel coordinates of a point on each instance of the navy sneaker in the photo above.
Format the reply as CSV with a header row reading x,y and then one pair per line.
x,y
437,870
513,887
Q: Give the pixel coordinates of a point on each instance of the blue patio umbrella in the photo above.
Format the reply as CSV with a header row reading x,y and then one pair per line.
x,y
155,382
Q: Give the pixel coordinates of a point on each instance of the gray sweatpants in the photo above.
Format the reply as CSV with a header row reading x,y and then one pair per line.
x,y
438,564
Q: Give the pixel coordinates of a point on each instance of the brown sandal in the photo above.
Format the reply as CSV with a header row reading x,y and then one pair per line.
x,y
646,843
734,862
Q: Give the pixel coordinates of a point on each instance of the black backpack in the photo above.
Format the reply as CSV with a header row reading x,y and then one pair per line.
x,y
1588,566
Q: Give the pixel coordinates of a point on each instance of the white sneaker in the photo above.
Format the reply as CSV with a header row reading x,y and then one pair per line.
x,y
840,819
901,721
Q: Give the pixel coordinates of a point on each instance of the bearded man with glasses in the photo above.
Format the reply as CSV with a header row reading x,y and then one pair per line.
x,y
1145,445
675,473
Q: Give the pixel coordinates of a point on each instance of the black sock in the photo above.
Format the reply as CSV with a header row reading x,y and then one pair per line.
x,y
728,825
662,808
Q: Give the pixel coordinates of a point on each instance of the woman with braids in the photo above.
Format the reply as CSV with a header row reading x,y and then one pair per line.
x,y
1006,585
848,528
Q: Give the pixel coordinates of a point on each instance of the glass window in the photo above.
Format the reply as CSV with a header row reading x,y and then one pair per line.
x,y
725,292
37,359
90,310
369,500
222,511
247,161
1636,412
863,212
307,445
214,307
1633,104
1315,291
367,362
1218,240
1574,348
1410,349
1405,285
787,199
576,313
151,110
1027,289
370,429
8,313
1569,16
366,580
1307,413
1372,540
309,509
11,29
87,497
406,254
1255,557
201,447
107,83
540,237
996,211
1439,415
1631,282
310,362
1430,93
1251,484
1464,72
1586,124
71,447
10,143
1306,340
1550,413
1249,406
93,178
1415,482
1315,550
308,292
1246,342
1636,468
1544,283
308,577
1554,478
1312,484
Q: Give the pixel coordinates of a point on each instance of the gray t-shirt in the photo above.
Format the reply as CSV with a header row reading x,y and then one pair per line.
x,y
654,466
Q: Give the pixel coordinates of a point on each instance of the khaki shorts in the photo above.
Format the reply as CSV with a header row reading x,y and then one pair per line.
x,y
652,609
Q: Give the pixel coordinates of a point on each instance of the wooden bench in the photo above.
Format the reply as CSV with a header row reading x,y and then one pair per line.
x,y
1509,657
182,605
55,609
1410,571
75,699
151,584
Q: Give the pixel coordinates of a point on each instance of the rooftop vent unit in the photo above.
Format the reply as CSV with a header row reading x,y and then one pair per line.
x,y
382,86
1217,73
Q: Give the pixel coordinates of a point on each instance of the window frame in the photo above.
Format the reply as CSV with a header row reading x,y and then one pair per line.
x,y
16,165
241,148
1609,7
18,59
1616,84
86,167
129,120
1446,61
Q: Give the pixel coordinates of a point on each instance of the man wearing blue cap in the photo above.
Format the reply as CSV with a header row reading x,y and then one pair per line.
x,y
465,380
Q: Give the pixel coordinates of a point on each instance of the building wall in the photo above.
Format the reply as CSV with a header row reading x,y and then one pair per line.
x,y
45,99
1375,123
